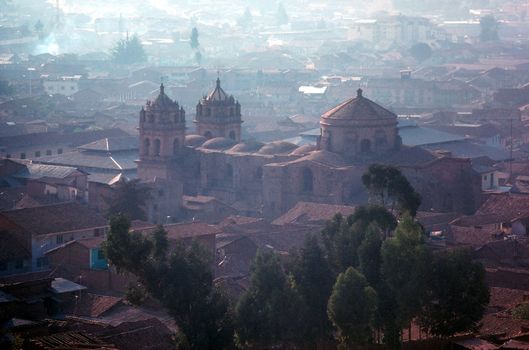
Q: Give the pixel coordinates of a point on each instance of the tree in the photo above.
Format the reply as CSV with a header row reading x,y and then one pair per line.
x,y
369,256
129,198
352,308
266,314
182,282
421,51
388,187
488,28
194,38
245,21
457,294
313,280
281,15
404,269
198,57
129,51
39,27
342,237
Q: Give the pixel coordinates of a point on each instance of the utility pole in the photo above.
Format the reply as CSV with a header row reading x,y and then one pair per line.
x,y
510,157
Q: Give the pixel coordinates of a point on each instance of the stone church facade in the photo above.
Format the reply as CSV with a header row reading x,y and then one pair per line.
x,y
268,179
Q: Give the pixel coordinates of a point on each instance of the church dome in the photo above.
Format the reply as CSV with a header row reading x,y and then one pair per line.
x,y
218,143
163,101
358,108
194,140
218,94
248,146
277,147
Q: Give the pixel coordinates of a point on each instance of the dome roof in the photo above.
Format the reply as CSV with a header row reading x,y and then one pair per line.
x,y
359,108
194,140
163,101
248,146
303,150
218,94
218,143
277,147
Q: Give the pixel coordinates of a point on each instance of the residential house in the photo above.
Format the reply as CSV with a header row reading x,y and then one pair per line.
x,y
46,227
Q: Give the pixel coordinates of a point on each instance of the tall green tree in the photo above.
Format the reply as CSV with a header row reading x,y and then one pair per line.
x,y
488,28
129,198
369,255
193,39
421,51
129,51
457,294
343,236
281,15
268,313
404,269
181,281
313,280
388,187
352,307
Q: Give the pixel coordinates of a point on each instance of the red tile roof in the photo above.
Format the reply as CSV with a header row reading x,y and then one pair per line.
x,y
313,213
64,217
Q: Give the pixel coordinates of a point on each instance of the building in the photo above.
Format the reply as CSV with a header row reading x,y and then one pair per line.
x,y
267,179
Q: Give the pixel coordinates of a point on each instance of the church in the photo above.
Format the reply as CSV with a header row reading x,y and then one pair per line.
x,y
267,179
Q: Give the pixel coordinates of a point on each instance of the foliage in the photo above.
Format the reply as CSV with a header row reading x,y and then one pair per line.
x,y
181,282
313,280
267,314
194,38
421,51
129,51
39,27
245,21
352,308
369,257
488,28
457,294
404,270
342,237
388,187
135,295
129,198
281,15
521,311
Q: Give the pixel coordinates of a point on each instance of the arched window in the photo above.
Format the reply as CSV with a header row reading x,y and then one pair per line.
x,y
208,135
365,146
157,147
151,118
308,180
146,147
208,112
176,146
380,140
259,173
232,135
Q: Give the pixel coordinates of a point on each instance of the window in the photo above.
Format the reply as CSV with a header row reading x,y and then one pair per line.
x,y
308,179
72,88
59,239
19,264
98,232
160,193
48,152
146,147
259,173
37,154
365,146
232,135
22,155
157,147
59,151
208,135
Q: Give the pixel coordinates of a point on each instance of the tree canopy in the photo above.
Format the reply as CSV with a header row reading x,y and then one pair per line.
x,y
129,198
129,51
181,280
488,28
